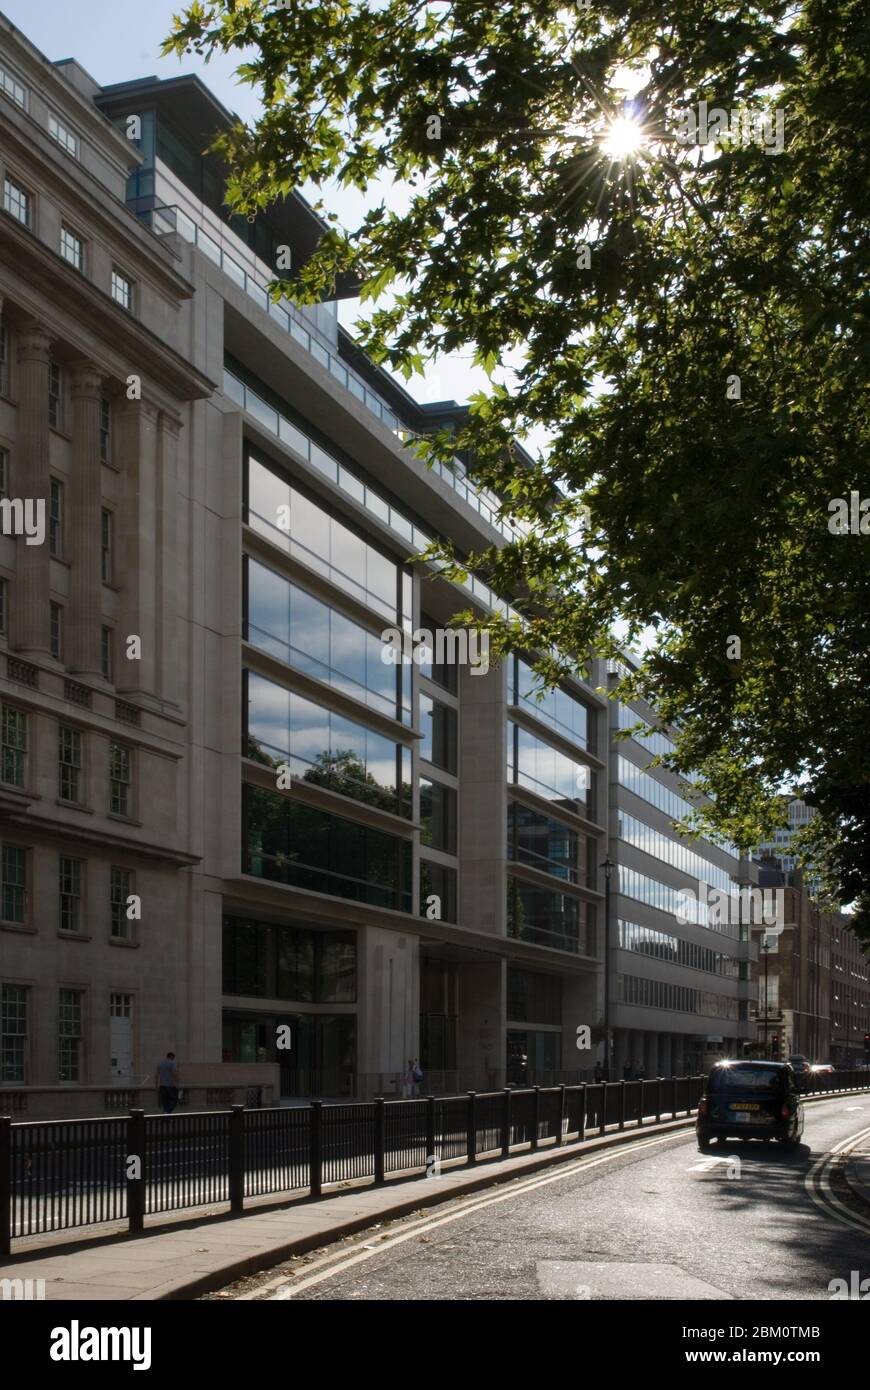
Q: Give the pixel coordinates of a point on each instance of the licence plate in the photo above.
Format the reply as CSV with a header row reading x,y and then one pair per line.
x,y
745,1107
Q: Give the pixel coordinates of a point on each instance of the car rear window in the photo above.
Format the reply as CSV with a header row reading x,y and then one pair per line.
x,y
747,1078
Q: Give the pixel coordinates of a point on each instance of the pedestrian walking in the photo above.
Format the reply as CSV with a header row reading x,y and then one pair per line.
x,y
598,1072
167,1083
417,1077
626,1072
408,1079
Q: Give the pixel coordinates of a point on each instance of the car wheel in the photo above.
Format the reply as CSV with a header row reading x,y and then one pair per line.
x,y
789,1144
704,1142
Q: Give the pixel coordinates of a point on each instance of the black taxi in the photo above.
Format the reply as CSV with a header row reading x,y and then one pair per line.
x,y
750,1100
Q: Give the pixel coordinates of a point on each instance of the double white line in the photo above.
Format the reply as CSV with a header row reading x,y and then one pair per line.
x,y
819,1189
331,1266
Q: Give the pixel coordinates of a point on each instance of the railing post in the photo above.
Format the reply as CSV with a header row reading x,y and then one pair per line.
x,y
621,1098
315,1149
506,1123
5,1184
430,1127
602,1129
658,1099
136,1185
581,1128
536,1124
380,1140
471,1127
640,1105
237,1158
563,1115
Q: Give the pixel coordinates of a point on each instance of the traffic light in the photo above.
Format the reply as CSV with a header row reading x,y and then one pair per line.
x,y
774,1046
867,1044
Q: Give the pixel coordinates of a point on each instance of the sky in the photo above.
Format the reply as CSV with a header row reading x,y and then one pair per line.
x,y
119,40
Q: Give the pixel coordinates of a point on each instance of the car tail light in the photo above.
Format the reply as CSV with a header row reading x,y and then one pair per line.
x,y
703,1107
785,1113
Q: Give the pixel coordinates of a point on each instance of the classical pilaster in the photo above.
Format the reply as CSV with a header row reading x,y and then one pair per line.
x,y
29,616
84,527
135,449
168,621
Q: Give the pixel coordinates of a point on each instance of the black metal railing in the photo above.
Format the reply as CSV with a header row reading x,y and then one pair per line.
x,y
61,1175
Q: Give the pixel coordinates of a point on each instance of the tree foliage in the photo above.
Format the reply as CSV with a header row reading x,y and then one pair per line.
x,y
707,511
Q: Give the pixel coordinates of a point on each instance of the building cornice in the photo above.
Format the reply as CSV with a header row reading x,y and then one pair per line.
x,y
72,294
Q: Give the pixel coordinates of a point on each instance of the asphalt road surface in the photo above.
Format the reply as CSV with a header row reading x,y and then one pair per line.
x,y
656,1220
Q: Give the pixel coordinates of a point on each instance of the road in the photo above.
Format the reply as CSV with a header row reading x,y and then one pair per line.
x,y
654,1220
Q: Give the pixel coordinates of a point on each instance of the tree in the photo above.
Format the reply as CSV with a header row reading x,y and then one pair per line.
x,y
687,326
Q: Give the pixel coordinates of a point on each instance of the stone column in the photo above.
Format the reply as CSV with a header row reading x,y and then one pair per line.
x,y
31,481
135,445
85,533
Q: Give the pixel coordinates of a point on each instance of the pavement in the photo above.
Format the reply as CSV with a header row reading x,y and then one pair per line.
x,y
194,1254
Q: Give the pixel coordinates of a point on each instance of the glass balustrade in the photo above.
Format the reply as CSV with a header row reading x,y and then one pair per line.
x,y
174,220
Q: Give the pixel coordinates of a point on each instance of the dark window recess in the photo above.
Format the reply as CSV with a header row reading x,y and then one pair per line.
x,y
436,880
438,744
278,962
288,842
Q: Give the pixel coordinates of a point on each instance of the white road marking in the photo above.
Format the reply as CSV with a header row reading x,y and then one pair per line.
x,y
287,1291
818,1185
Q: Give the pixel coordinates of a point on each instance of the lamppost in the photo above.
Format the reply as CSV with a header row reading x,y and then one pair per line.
x,y
765,949
608,866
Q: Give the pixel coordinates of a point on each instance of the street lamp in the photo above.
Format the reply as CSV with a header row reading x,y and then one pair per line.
x,y
765,949
608,866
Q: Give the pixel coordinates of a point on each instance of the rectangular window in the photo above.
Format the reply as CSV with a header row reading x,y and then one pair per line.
x,y
106,652
14,746
4,366
120,779
544,843
548,773
4,472
72,248
69,1035
549,919
55,519
324,748
106,528
105,430
13,1034
303,631
122,290
69,763
563,712
438,744
13,888
119,891
288,842
438,815
55,630
306,530
70,893
4,597
18,202
13,89
65,137
445,672
55,396
439,882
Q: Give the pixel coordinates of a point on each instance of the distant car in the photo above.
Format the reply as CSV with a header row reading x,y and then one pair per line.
x,y
818,1067
750,1100
800,1065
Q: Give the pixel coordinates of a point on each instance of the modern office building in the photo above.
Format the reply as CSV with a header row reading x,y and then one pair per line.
x,y
679,973
225,819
